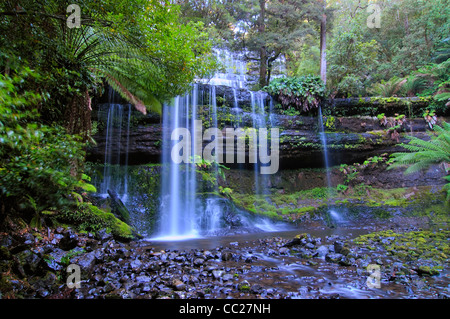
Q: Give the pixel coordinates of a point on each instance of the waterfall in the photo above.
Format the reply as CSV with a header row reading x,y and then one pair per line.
x,y
259,121
185,211
323,138
115,171
213,111
178,190
333,213
234,73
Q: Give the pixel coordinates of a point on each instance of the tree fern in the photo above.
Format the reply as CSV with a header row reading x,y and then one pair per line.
x,y
387,88
422,154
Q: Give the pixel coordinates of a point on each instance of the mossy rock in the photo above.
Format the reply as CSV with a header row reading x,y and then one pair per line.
x,y
244,286
88,217
428,270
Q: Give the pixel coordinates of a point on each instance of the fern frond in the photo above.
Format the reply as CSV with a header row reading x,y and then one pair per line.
x,y
422,154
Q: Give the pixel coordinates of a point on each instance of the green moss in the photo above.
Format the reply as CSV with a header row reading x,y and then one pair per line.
x,y
427,270
244,288
412,245
88,217
342,202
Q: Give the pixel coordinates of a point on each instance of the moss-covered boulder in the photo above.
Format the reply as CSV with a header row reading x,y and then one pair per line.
x,y
93,219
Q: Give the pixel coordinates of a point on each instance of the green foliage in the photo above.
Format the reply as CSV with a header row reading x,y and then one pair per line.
x,y
36,161
442,52
387,88
210,172
305,58
341,188
139,47
415,245
226,191
290,111
265,29
431,80
65,261
351,60
412,34
422,154
350,172
302,93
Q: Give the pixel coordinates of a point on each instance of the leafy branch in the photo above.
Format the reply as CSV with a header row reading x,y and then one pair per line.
x,y
303,93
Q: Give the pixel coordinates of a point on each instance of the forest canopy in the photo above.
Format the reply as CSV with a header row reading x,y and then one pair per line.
x,y
400,56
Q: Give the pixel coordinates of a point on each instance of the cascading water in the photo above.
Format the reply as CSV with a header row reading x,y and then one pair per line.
x,y
185,211
179,179
323,138
334,214
115,171
234,73
259,121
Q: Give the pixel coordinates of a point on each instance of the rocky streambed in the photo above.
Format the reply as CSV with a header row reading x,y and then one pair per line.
x,y
369,262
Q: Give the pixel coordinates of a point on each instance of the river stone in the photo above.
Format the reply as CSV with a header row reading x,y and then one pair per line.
x,y
244,286
427,270
143,279
226,256
54,262
322,251
208,254
29,262
86,263
227,277
177,284
199,261
136,264
103,235
333,257
257,289
29,239
217,273
338,245
211,268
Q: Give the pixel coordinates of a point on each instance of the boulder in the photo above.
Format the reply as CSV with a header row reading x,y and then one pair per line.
x,y
29,263
227,255
55,257
118,208
334,257
322,251
69,240
86,263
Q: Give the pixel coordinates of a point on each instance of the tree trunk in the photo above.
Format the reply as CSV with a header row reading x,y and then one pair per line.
x,y
262,52
323,46
263,67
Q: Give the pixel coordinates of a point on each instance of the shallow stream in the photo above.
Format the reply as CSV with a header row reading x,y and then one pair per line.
x,y
272,272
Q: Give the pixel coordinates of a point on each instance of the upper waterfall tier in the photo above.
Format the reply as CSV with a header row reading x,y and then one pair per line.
x,y
234,72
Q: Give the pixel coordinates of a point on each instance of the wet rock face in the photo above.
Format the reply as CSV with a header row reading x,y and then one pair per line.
x,y
350,139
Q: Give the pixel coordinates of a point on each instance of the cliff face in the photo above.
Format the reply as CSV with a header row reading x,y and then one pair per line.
x,y
350,139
